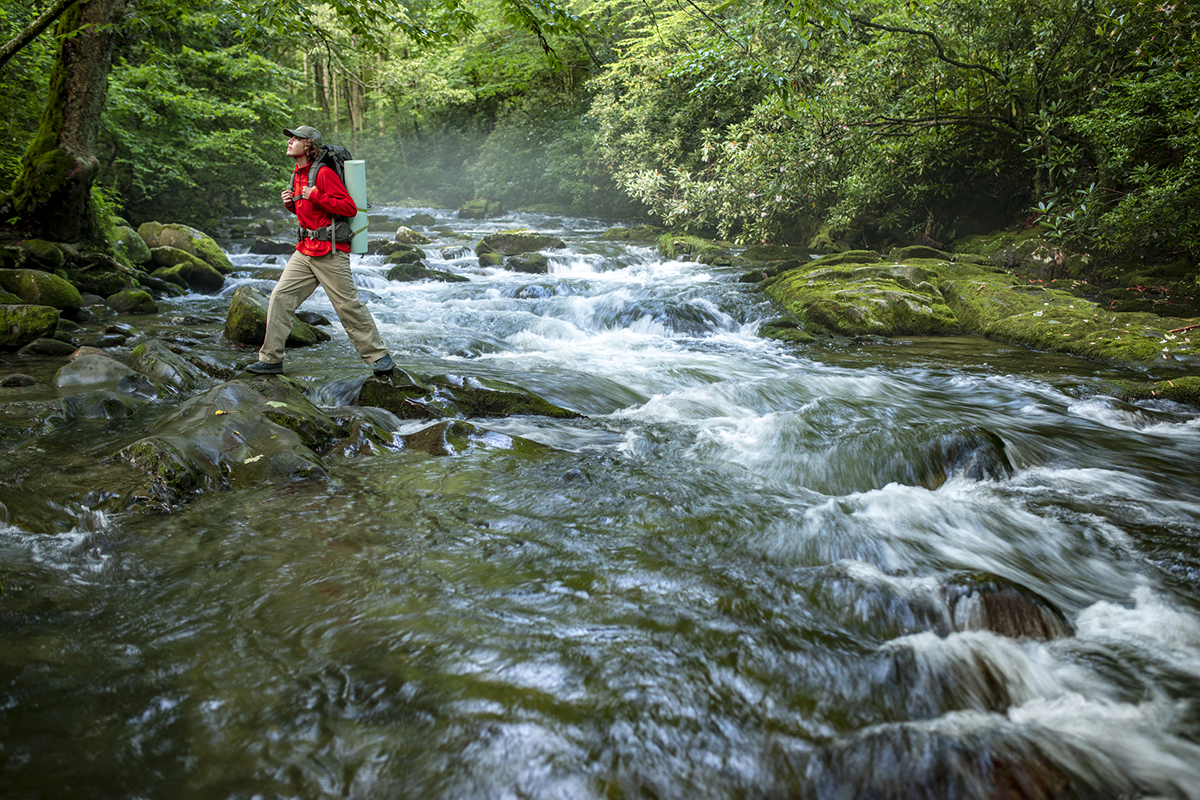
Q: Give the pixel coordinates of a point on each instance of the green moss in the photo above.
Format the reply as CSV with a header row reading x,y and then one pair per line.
x,y
1180,390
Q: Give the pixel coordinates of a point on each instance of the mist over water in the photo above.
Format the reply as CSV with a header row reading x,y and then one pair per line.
x,y
749,570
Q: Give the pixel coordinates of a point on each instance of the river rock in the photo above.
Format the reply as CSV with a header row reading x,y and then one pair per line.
x,y
981,602
22,324
103,404
450,437
409,397
405,257
17,380
528,263
42,288
188,239
638,233
246,322
40,255
271,247
515,242
418,272
979,756
184,269
89,373
132,301
161,364
421,220
47,347
391,248
127,242
406,235
478,209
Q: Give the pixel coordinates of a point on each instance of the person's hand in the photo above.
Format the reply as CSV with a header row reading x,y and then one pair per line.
x,y
287,195
306,191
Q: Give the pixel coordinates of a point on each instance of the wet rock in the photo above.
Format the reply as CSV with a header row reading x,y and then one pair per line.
x,y
919,251
980,757
22,324
443,396
126,241
529,263
229,436
17,380
450,437
405,257
105,341
419,272
973,453
188,239
313,318
47,347
480,209
40,255
270,247
246,322
451,253
638,233
42,288
190,321
393,248
161,364
186,270
981,602
421,220
515,242
406,235
103,404
87,373
491,260
132,301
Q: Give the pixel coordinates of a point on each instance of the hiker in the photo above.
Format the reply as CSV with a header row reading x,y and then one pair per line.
x,y
322,256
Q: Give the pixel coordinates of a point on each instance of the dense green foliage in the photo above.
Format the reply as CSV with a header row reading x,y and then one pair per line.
x,y
874,121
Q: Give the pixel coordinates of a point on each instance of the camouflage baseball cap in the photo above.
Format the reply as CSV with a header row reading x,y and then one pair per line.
x,y
305,132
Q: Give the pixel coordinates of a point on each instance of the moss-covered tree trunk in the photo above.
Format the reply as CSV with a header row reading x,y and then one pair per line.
x,y
52,193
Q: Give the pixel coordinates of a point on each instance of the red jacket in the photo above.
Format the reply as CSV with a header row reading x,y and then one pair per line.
x,y
329,197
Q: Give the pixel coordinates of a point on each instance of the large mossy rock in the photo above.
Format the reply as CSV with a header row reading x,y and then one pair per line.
x,y
184,269
41,255
850,300
480,209
419,272
128,243
515,242
445,396
406,235
156,360
188,239
22,324
638,233
246,322
132,301
43,289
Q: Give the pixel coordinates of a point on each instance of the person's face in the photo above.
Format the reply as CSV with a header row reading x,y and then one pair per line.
x,y
297,146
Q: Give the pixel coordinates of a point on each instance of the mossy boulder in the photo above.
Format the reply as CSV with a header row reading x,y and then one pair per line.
x,y
410,397
850,300
42,288
480,209
41,255
184,269
529,263
406,257
1184,390
419,272
450,437
188,239
678,245
406,235
491,260
421,220
394,248
156,360
246,321
130,246
132,301
638,233
22,324
515,242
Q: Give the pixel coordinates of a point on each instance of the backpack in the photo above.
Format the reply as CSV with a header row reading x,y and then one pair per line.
x,y
335,157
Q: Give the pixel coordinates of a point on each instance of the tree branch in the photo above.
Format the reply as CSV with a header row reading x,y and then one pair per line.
x,y
32,30
941,54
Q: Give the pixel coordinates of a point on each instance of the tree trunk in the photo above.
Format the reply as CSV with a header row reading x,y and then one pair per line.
x,y
52,192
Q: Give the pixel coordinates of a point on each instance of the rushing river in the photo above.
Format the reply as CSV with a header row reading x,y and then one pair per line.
x,y
733,578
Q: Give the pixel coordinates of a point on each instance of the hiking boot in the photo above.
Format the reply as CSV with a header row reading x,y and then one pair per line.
x,y
265,368
383,365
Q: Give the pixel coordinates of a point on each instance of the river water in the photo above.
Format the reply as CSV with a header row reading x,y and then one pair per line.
x,y
733,578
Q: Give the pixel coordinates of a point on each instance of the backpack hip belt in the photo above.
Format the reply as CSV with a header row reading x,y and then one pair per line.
x,y
328,233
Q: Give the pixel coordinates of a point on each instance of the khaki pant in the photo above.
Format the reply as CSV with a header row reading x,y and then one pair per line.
x,y
299,280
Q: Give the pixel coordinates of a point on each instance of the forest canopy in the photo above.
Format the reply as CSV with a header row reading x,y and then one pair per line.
x,y
760,120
